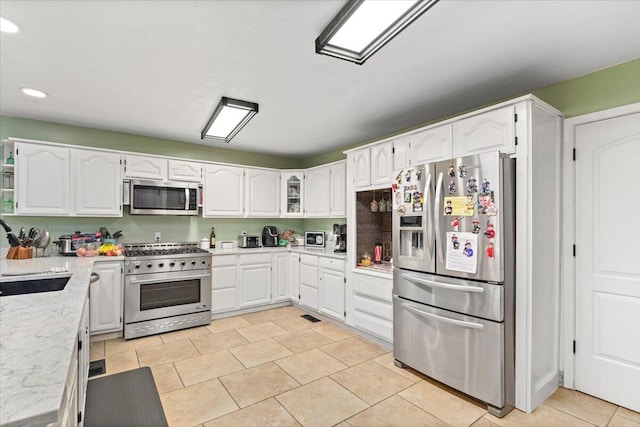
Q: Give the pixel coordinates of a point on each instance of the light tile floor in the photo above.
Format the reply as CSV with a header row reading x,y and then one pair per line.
x,y
273,368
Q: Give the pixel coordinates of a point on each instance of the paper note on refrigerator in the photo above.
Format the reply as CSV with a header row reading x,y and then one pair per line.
x,y
462,252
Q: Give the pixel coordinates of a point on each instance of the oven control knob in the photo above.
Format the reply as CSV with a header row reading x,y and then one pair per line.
x,y
193,262
171,264
137,266
203,262
149,265
161,265
182,263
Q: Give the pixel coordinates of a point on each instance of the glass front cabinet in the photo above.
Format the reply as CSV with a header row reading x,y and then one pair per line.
x,y
292,193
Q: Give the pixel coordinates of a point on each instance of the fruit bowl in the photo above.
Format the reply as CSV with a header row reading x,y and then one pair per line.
x,y
110,249
87,249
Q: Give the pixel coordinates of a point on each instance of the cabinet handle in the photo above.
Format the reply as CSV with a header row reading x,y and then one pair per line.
x,y
94,277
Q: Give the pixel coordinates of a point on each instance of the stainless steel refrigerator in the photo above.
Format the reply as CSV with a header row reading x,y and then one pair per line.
x,y
453,279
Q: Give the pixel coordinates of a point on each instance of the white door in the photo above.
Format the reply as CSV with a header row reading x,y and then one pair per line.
x,y
96,178
382,164
224,283
145,167
262,189
431,145
223,191
338,190
401,147
279,279
182,170
105,297
255,284
292,193
318,192
361,168
309,294
607,360
294,276
332,293
491,131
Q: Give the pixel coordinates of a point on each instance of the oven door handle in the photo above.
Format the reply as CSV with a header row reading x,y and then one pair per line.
x,y
433,284
424,314
156,280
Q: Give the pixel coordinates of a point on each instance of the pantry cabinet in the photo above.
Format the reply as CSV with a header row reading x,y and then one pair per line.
x,y
224,283
182,170
42,185
254,279
145,167
318,185
105,297
96,178
486,132
223,191
262,193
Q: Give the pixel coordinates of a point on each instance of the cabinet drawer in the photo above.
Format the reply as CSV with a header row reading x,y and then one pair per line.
x,y
309,259
264,258
332,264
374,325
222,260
373,307
224,277
375,287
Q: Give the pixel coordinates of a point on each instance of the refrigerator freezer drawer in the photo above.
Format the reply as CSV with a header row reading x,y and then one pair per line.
x,y
465,296
464,352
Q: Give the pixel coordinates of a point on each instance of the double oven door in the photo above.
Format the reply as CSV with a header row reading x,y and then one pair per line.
x,y
160,295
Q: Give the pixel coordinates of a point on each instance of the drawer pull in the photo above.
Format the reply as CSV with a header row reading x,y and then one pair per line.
x,y
433,284
461,323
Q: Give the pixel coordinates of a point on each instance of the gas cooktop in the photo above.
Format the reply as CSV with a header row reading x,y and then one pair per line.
x,y
162,249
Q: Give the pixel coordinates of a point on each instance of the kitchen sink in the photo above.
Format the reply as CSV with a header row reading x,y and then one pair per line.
x,y
33,283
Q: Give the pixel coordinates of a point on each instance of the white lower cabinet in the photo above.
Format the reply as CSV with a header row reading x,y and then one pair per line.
x,y
309,293
105,296
332,285
373,305
254,278
224,283
280,276
294,276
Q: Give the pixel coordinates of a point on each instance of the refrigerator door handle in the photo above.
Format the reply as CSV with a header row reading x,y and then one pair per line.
x,y
426,315
436,215
433,284
429,212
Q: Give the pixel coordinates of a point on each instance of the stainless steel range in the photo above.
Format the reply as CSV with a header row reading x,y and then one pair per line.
x,y
167,287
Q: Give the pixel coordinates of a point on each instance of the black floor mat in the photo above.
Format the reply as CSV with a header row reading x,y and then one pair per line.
x,y
126,399
97,367
310,318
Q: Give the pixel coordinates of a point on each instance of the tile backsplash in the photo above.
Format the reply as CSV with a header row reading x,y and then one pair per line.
x,y
372,227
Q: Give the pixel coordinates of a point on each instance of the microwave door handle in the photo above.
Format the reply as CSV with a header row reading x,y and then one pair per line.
x,y
434,284
436,216
157,280
428,216
462,323
186,199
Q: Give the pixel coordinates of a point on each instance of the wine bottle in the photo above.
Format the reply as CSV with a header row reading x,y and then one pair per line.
x,y
212,241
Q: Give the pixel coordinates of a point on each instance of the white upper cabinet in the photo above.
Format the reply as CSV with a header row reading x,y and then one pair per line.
x,y
431,145
338,190
262,192
401,152
96,183
318,185
145,167
223,191
362,168
42,182
382,164
491,131
292,193
181,170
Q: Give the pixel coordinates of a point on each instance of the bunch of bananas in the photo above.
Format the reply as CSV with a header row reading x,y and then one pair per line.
x,y
109,249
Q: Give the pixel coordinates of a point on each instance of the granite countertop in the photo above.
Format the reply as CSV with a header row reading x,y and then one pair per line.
x,y
326,252
38,333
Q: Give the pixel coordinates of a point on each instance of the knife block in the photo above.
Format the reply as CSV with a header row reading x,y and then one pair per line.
x,y
19,252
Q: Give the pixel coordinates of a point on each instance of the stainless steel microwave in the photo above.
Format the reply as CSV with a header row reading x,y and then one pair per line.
x,y
163,198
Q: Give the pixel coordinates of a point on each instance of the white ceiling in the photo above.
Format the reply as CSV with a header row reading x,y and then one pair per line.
x,y
158,68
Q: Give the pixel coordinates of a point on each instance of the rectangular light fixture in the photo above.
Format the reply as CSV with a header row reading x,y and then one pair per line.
x,y
364,26
228,118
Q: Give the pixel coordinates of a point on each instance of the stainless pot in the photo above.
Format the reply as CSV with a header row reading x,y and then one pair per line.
x,y
65,245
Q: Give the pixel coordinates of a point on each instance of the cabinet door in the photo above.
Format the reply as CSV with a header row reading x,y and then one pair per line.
x,y
97,183
105,296
294,276
280,278
401,152
382,164
318,192
42,180
332,293
224,283
84,357
338,190
431,145
361,168
181,170
309,293
492,131
223,191
145,167
255,284
292,193
262,193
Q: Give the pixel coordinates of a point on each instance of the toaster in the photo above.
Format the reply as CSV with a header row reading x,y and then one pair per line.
x,y
248,241
270,236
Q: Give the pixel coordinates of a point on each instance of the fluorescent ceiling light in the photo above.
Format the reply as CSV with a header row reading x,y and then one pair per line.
x,y
7,26
364,26
34,92
228,118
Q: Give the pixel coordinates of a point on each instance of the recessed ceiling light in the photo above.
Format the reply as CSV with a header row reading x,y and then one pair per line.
x,y
364,26
7,26
228,118
33,92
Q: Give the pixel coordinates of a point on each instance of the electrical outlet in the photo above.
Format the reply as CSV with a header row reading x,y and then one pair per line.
x,y
158,236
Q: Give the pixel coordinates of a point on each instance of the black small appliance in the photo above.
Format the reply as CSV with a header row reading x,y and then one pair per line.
x,y
270,235
340,231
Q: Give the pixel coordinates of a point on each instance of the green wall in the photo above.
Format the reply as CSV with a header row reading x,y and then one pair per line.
x,y
608,88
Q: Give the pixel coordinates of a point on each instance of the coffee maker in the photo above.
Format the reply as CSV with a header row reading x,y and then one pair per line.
x,y
340,232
